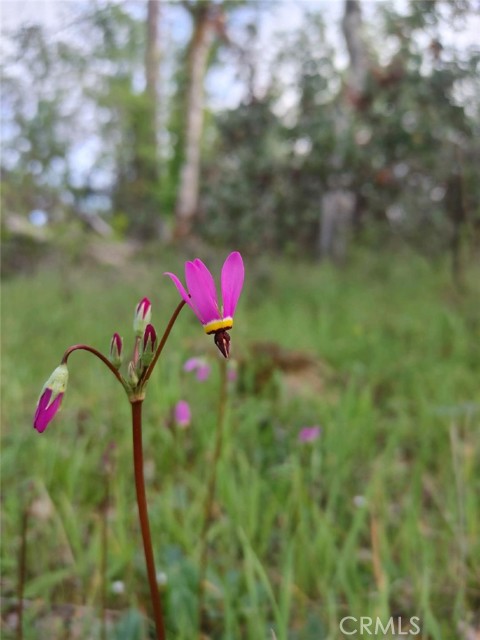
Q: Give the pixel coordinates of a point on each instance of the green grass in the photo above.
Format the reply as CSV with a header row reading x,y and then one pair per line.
x,y
378,517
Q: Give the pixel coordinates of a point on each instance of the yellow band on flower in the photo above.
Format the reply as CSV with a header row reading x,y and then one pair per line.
x,y
218,325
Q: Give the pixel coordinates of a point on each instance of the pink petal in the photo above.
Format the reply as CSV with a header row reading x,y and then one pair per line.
x,y
45,413
191,364
233,274
207,277
183,293
203,372
200,288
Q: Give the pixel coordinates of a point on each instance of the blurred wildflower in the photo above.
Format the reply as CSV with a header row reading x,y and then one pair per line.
x,y
360,501
143,315
200,366
232,371
162,578
50,398
116,355
118,587
202,296
182,414
309,434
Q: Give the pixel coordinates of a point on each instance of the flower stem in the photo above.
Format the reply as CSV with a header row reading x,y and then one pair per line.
x,y
103,558
22,570
143,518
161,344
212,482
100,356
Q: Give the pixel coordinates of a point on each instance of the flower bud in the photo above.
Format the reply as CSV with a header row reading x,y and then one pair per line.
x,y
143,315
116,355
50,399
149,345
132,374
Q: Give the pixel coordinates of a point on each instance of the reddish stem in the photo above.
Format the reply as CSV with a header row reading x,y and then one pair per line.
x,y
161,344
143,517
100,356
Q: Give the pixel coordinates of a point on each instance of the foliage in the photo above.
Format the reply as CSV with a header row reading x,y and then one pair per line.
x,y
377,517
397,147
77,97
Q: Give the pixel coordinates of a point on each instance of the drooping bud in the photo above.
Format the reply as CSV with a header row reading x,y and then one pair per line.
x,y
116,355
143,315
222,340
50,399
132,374
149,344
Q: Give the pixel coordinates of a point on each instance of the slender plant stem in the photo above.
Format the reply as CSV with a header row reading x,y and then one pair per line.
x,y
22,569
100,356
145,377
104,553
143,518
211,486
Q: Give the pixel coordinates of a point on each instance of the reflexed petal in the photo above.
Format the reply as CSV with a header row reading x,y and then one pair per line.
x,y
233,273
183,293
200,289
207,277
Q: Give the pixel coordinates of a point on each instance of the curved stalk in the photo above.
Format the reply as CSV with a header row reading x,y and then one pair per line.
x,y
100,356
143,517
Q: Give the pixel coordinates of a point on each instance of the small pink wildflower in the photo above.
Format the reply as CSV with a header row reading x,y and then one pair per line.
x,y
202,296
232,373
309,434
182,414
50,398
200,366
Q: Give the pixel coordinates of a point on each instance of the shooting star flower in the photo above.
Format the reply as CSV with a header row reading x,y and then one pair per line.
x,y
202,296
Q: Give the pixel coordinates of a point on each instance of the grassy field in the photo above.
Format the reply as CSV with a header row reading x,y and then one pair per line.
x,y
377,517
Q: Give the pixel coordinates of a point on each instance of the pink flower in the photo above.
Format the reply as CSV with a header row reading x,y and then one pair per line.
x,y
232,372
309,434
50,398
182,414
202,296
143,315
200,366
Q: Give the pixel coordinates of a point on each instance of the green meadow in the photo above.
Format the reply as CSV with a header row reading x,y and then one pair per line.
x,y
377,517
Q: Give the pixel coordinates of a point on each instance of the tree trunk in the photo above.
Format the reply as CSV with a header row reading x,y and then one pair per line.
x,y
152,55
205,19
352,26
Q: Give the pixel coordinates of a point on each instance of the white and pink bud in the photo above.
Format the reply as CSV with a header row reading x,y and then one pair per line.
x,y
116,355
143,315
149,345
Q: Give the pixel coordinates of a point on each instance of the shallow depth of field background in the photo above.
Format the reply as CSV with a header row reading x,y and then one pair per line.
x,y
336,146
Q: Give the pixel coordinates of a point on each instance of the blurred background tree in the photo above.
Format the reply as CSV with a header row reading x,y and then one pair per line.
x,y
374,138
